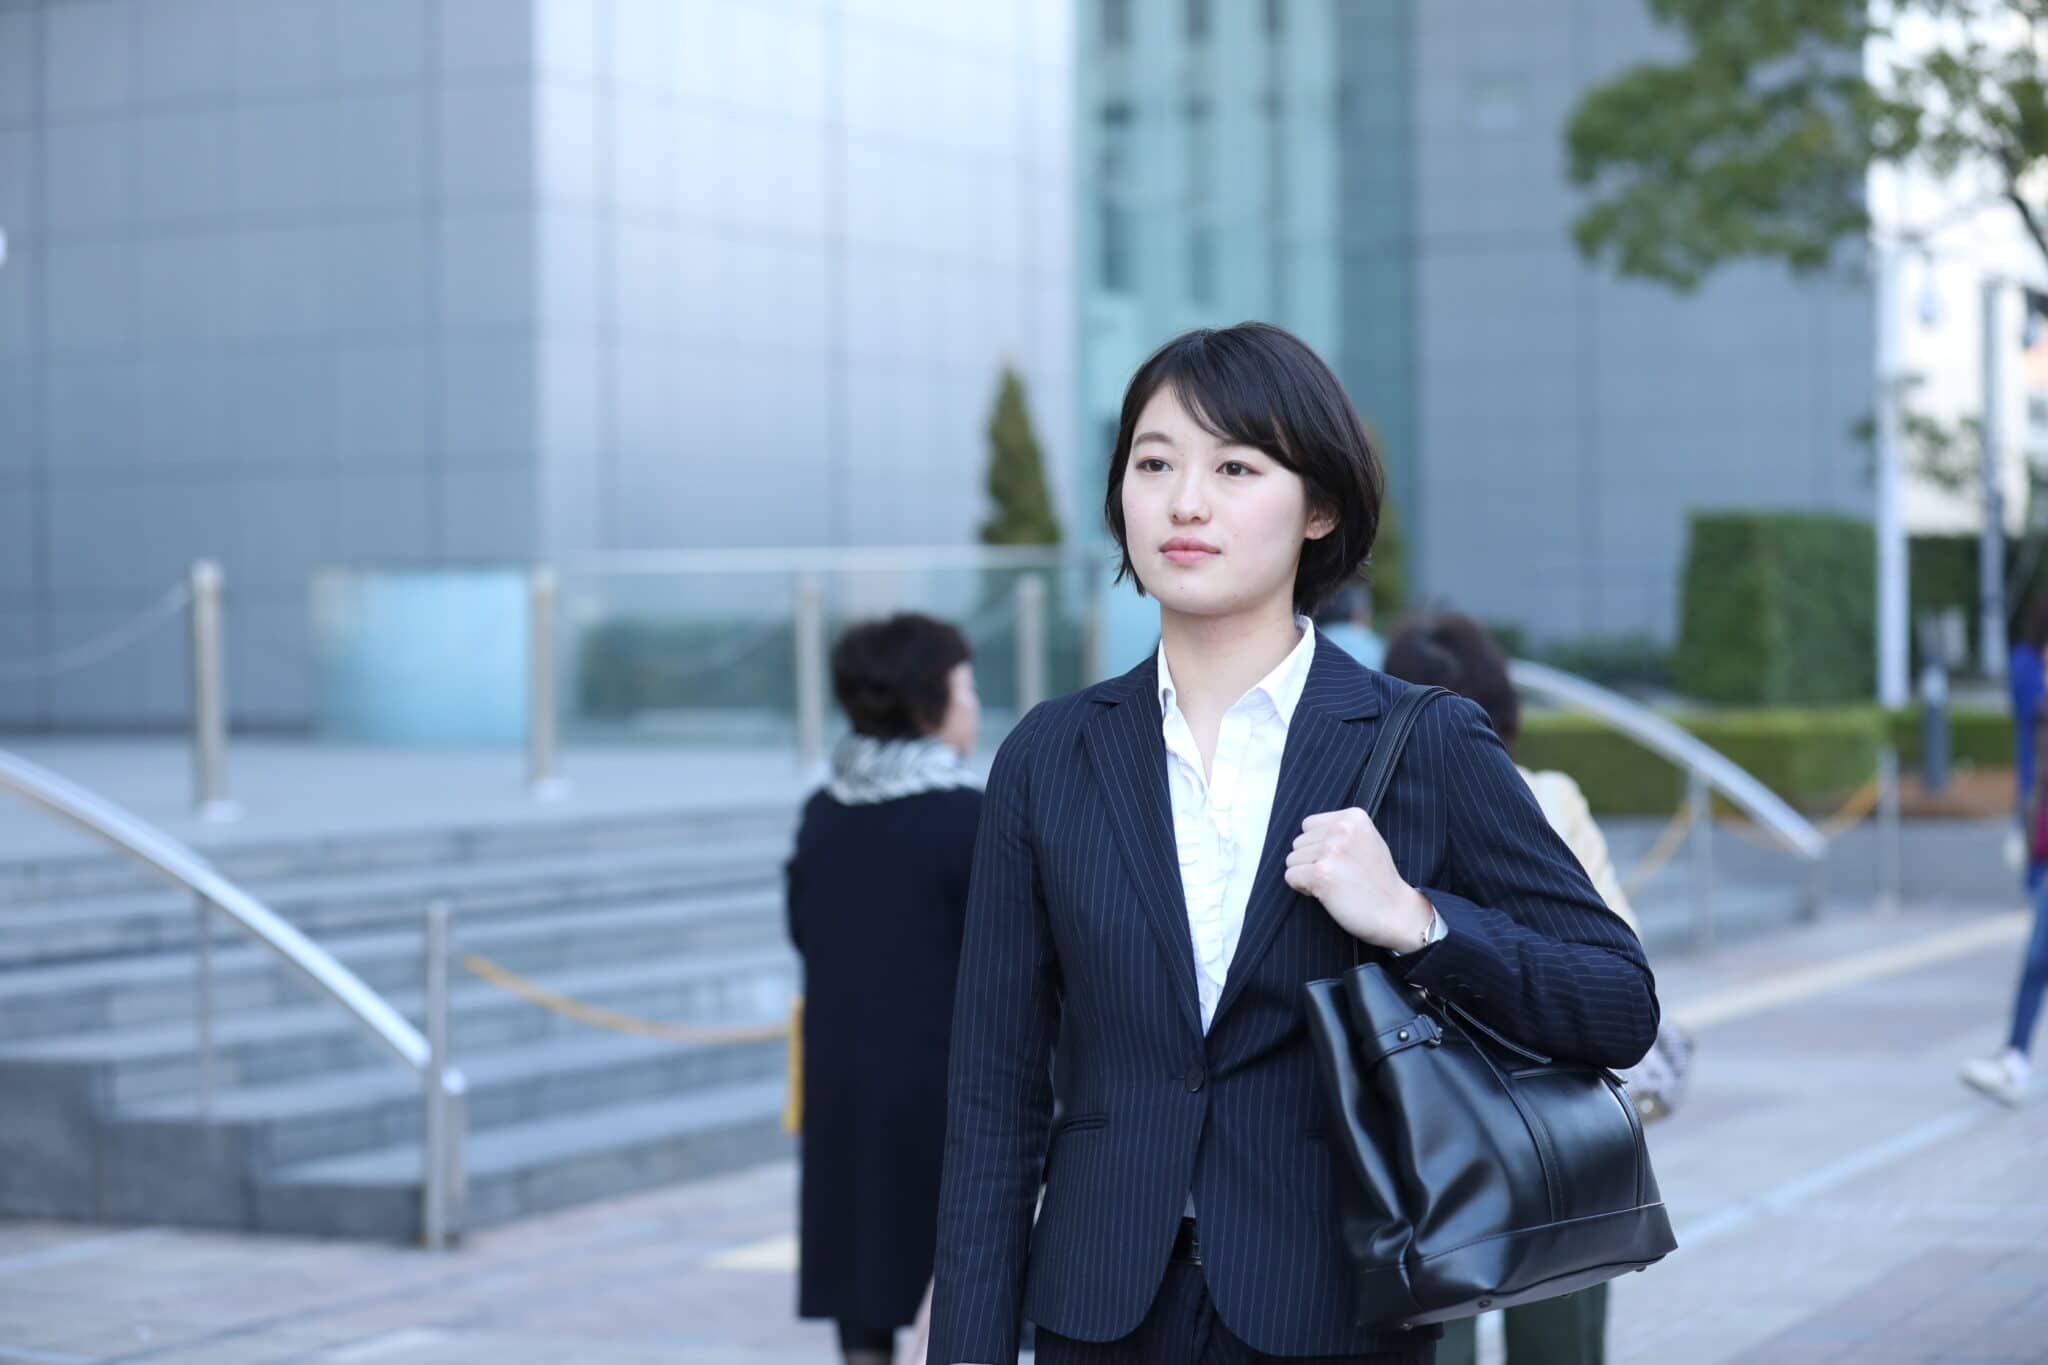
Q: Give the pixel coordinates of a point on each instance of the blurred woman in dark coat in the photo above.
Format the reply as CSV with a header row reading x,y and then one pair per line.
x,y
877,893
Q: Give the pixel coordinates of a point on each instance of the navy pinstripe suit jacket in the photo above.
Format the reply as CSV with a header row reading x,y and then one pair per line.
x,y
1077,930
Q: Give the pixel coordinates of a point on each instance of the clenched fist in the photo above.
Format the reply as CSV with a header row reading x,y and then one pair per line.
x,y
1341,860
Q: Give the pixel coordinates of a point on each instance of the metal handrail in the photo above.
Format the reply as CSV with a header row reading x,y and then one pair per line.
x,y
180,865
1687,751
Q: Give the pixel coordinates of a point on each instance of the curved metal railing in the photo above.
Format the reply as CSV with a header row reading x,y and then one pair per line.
x,y
178,864
1684,750
1708,770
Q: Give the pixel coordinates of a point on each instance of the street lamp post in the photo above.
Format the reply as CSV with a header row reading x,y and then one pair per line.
x,y
1991,543
1892,608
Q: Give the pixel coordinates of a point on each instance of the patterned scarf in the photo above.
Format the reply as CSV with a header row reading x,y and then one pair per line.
x,y
866,770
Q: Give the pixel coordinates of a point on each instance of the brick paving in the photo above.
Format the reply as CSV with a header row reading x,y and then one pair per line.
x,y
1839,1198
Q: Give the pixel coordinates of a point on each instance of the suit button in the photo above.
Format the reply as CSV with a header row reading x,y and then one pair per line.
x,y
1194,1078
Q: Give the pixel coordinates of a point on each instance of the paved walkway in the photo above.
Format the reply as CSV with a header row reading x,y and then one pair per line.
x,y
1839,1197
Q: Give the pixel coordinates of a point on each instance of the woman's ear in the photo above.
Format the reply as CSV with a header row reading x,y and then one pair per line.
x,y
1321,521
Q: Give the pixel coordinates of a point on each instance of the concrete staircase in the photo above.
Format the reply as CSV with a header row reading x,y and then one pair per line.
x,y
314,1130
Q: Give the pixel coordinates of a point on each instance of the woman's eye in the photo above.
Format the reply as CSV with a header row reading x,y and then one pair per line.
x,y
1151,464
1236,467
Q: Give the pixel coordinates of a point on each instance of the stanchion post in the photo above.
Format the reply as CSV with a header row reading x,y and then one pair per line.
x,y
1030,628
1890,869
202,1005
543,752
810,672
1701,799
434,1084
209,698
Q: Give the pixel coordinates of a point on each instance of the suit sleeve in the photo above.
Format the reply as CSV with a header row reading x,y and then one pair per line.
x,y
999,1086
1530,949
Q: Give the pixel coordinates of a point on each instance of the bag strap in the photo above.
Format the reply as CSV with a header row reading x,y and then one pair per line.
x,y
1386,749
1378,775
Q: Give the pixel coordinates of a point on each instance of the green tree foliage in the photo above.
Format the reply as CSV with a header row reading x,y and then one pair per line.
x,y
1755,144
1022,508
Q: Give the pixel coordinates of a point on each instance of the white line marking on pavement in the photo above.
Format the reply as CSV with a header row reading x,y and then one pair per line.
x,y
1780,1198
1850,971
390,1344
85,1249
773,1253
18,1355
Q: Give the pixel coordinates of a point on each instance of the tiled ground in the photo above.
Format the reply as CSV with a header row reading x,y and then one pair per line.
x,y
1839,1197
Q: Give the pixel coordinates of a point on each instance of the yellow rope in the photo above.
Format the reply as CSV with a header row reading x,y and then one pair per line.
x,y
1847,816
1668,843
1850,814
597,1016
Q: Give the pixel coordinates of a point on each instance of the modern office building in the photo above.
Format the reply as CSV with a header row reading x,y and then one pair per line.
x,y
1388,179
433,283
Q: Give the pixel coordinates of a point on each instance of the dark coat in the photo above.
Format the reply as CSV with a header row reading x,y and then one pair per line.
x,y
1076,929
877,897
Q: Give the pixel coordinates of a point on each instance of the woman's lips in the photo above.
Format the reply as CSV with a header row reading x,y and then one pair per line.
x,y
1188,551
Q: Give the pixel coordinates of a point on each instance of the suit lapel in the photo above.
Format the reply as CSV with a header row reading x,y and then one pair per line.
x,y
1327,744
1128,748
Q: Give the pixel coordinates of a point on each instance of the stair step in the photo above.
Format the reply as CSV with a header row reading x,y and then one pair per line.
x,y
529,1168
55,877
255,1047
345,1112
163,920
102,993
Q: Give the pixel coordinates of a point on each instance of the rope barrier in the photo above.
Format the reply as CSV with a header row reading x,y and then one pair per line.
x,y
1661,852
505,979
1851,813
94,651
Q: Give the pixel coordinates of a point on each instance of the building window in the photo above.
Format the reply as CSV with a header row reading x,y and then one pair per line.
x,y
1202,265
1198,20
1114,262
1116,22
1200,149
1276,17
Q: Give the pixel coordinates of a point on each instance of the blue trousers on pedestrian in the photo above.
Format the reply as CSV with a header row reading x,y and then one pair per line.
x,y
2026,1005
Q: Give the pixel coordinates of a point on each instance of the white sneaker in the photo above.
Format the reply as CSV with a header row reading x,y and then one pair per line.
x,y
2004,1077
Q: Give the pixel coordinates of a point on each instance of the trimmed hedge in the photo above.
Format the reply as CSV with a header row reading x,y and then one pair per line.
x,y
1776,609
1942,573
1976,738
1813,758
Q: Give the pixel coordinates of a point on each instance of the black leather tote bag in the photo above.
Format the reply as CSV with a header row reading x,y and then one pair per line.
x,y
1483,1175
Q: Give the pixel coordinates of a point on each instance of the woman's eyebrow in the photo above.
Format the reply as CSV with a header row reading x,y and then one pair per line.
x,y
1145,436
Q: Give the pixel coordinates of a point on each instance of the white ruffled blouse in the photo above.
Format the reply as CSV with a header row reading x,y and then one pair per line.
x,y
1219,822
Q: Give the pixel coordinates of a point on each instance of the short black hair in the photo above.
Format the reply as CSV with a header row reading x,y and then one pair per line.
x,y
1261,386
891,676
2033,620
1450,649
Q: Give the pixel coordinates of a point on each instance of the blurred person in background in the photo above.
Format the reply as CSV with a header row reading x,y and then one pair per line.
x,y
877,893
1347,620
1449,649
2007,1076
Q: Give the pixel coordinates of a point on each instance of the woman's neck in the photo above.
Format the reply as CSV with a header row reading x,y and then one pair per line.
x,y
1217,659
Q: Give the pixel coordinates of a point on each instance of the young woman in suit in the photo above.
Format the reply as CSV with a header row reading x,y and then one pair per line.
x,y
1164,859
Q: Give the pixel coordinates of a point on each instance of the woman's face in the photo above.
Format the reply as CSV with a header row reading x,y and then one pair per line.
x,y
961,724
1214,529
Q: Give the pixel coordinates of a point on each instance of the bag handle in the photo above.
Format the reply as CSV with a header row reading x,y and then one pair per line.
x,y
1378,775
1386,749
